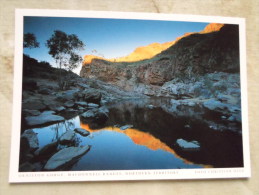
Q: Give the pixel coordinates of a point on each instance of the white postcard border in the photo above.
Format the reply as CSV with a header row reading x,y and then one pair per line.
x,y
161,174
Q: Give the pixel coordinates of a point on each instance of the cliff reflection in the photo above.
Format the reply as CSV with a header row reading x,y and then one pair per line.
x,y
140,138
158,129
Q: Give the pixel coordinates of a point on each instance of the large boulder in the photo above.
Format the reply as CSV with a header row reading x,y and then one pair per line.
x,y
31,138
47,117
33,104
65,157
67,95
92,96
98,115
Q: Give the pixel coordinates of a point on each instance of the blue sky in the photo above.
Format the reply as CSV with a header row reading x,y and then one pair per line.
x,y
109,37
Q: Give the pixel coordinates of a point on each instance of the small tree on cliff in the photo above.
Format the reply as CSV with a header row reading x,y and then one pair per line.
x,y
30,41
64,48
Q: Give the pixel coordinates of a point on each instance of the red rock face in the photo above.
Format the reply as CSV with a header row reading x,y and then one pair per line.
x,y
216,48
212,28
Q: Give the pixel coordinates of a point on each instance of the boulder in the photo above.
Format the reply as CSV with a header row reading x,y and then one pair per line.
x,y
150,106
88,114
124,127
69,104
82,104
81,108
27,112
47,117
33,104
194,145
67,95
45,91
101,116
98,115
57,108
82,132
92,96
65,157
32,140
67,137
235,118
215,105
92,105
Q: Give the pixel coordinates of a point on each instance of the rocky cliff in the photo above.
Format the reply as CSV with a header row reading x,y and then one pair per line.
x,y
215,49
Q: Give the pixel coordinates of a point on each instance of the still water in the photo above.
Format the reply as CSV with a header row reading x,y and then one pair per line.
x,y
150,142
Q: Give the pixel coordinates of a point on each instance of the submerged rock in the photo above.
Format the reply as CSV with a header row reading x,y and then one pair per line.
x,y
65,157
187,145
82,132
44,118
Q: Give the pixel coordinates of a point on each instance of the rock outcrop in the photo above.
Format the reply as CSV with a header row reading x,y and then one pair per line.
x,y
216,48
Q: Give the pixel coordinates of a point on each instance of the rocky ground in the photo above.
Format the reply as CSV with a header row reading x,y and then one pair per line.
x,y
44,102
200,70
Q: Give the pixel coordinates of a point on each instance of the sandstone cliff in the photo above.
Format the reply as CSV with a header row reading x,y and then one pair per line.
x,y
216,48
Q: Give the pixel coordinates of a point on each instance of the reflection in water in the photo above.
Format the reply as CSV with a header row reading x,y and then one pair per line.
x,y
139,138
151,142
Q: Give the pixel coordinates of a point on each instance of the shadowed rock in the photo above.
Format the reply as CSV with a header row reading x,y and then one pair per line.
x,y
44,118
33,104
31,138
82,132
47,149
67,137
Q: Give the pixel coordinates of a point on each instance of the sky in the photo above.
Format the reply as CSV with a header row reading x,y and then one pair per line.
x,y
111,38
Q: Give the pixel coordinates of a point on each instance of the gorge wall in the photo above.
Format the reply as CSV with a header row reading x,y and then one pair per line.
x,y
215,49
